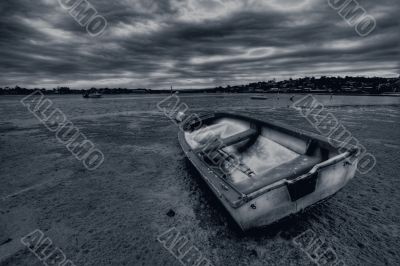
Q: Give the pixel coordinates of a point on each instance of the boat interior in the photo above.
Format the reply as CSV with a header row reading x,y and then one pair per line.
x,y
251,154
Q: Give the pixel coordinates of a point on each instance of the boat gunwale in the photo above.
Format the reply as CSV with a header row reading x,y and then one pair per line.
x,y
243,198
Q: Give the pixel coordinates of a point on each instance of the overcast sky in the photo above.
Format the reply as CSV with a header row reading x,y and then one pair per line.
x,y
192,43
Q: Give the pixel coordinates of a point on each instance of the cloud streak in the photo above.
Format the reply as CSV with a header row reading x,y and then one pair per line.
x,y
191,43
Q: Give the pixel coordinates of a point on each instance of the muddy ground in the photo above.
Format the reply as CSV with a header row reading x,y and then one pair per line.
x,y
113,215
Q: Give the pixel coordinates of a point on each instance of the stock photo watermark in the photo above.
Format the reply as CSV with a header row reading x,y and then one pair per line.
x,y
317,249
44,249
66,133
181,248
212,149
338,136
355,15
86,15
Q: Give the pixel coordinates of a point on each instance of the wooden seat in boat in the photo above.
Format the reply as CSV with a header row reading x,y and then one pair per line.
x,y
296,167
221,143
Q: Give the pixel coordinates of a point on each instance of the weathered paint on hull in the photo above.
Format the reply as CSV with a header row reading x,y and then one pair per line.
x,y
276,204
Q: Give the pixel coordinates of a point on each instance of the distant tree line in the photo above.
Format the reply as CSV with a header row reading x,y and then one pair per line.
x,y
66,90
334,85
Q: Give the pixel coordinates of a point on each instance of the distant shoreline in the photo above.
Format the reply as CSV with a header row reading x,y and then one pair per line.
x,y
217,93
220,93
372,86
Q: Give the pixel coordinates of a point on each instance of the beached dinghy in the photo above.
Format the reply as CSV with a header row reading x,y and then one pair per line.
x,y
263,171
259,98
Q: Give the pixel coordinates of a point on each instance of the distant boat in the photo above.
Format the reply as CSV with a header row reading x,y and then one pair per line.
x,y
263,171
259,98
92,95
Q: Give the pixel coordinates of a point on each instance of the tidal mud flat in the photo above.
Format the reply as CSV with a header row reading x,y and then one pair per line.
x,y
115,214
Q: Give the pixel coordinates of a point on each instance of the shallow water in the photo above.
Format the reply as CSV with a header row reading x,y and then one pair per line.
x,y
114,214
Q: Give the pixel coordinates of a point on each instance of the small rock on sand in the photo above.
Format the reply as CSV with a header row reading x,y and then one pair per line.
x,y
171,213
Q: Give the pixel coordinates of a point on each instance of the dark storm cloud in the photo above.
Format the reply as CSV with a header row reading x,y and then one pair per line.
x,y
191,43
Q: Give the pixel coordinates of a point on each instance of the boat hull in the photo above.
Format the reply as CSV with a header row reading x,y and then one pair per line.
x,y
276,204
274,201
92,96
258,98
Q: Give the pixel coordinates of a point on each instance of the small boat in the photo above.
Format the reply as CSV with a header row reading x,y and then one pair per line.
x,y
259,98
92,95
264,171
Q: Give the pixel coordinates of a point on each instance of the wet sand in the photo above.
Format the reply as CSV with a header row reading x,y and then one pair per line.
x,y
114,214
